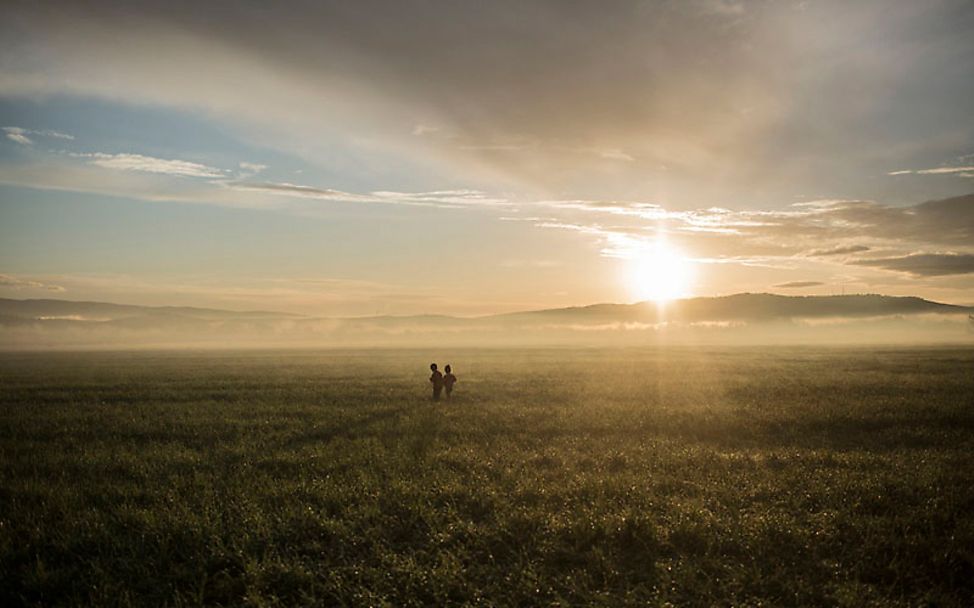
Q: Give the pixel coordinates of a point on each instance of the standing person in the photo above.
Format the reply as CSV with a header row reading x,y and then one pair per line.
x,y
448,381
437,379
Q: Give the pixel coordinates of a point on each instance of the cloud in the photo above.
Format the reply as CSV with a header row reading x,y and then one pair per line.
x,y
945,222
963,171
818,231
149,164
925,264
421,129
54,134
838,250
714,219
13,282
438,198
298,190
17,135
250,169
151,179
945,170
726,98
798,284
616,154
20,135
451,198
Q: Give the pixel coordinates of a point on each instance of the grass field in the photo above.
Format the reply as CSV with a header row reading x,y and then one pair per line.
x,y
556,477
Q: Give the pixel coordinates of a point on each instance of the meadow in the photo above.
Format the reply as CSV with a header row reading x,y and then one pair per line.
x,y
608,477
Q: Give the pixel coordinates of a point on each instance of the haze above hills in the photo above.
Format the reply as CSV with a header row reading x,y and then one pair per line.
x,y
740,318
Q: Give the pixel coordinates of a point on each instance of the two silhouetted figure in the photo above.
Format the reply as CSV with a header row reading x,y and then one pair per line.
x,y
441,381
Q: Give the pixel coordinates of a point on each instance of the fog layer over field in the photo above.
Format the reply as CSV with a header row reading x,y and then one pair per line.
x,y
739,319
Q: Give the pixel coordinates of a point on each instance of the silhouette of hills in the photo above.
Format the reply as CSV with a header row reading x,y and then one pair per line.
x,y
68,310
737,307
748,307
746,317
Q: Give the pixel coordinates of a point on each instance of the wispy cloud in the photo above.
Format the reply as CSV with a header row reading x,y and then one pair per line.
x,y
946,222
250,169
13,282
779,238
925,264
458,198
150,164
616,154
832,232
967,171
438,198
845,250
798,284
423,129
16,135
155,179
963,171
713,219
21,135
298,190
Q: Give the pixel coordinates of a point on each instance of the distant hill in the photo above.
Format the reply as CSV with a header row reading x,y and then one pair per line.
x,y
746,307
740,318
742,306
102,311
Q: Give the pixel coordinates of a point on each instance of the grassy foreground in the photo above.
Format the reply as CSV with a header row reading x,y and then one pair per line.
x,y
600,477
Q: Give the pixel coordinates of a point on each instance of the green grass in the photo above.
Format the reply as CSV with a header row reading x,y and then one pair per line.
x,y
556,477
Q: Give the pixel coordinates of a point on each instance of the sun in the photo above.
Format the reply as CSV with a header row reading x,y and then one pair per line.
x,y
659,272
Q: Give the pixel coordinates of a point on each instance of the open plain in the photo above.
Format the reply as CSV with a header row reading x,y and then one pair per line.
x,y
689,476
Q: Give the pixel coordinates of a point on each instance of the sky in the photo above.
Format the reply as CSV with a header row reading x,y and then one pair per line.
x,y
362,158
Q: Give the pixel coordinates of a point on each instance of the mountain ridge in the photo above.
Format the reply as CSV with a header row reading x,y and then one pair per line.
x,y
56,307
736,319
740,306
755,306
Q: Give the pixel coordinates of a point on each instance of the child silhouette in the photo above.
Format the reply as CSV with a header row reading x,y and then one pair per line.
x,y
437,379
448,381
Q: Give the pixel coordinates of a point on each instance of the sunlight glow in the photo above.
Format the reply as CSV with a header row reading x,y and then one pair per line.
x,y
659,272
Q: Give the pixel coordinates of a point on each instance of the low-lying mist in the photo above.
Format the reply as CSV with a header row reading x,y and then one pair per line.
x,y
178,331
